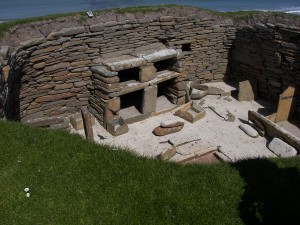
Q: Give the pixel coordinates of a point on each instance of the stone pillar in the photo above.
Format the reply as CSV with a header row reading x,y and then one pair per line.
x,y
147,73
112,109
149,99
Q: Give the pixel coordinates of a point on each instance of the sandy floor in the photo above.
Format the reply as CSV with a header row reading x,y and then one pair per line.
x,y
212,131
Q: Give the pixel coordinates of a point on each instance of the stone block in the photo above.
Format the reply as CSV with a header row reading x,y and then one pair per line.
x,y
149,99
246,91
114,104
147,73
281,148
101,70
117,127
71,31
123,62
57,66
159,55
4,52
76,121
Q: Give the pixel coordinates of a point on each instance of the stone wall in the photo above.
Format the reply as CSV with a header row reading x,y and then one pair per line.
x,y
54,68
269,56
51,75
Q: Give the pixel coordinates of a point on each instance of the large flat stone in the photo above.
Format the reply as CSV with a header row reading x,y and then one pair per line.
x,y
124,62
281,148
46,121
158,55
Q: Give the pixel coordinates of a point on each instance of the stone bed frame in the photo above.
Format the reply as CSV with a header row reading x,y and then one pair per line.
x,y
60,67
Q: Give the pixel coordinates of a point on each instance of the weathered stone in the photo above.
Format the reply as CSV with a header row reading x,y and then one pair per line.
x,y
167,153
117,127
63,86
171,123
214,91
166,19
101,70
32,42
191,113
58,66
5,72
250,131
147,73
46,121
162,131
62,126
285,105
53,35
97,27
114,104
159,55
81,63
49,98
149,99
39,65
124,62
87,122
281,148
246,91
4,52
71,31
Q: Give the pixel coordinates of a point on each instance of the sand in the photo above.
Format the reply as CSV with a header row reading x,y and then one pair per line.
x,y
212,130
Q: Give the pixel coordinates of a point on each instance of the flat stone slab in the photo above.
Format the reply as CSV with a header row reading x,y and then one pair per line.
x,y
123,62
103,71
281,148
250,131
158,55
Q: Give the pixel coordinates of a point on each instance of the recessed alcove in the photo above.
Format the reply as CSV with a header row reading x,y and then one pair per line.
x,y
186,47
131,104
162,102
129,75
164,64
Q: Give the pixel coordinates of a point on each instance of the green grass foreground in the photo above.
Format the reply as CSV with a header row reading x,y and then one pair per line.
x,y
74,181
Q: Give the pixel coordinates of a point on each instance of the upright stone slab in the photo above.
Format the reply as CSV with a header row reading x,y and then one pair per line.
x,y
246,91
87,122
285,105
149,99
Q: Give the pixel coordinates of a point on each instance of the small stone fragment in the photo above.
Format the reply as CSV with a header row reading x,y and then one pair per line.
x,y
250,131
281,148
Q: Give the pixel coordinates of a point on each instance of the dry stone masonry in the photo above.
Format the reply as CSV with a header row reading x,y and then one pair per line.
x,y
124,66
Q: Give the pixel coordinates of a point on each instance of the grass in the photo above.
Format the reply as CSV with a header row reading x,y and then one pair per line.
x,y
74,181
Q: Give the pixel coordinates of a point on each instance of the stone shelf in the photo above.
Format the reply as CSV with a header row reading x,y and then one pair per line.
x,y
123,62
163,76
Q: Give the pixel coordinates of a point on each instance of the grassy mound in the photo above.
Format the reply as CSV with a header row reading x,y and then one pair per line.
x,y
74,181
